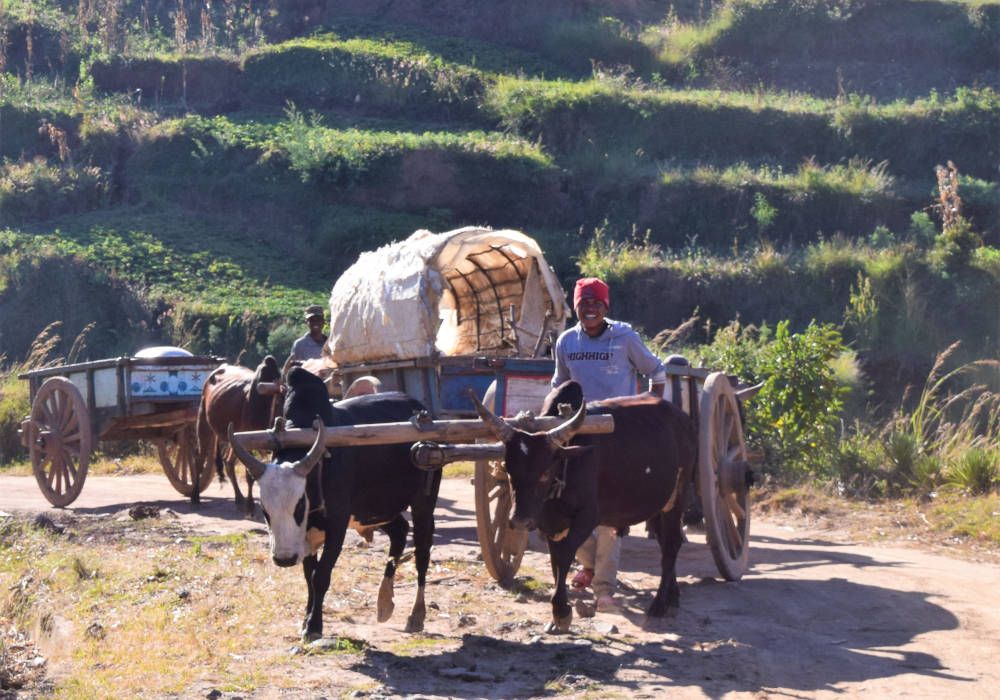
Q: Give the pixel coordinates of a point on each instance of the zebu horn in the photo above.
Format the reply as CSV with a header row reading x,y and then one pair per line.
x,y
749,392
253,465
498,425
305,465
564,433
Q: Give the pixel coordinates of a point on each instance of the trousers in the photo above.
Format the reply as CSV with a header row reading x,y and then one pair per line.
x,y
602,552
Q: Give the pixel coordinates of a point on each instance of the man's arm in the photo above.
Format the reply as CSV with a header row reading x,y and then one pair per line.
x,y
646,363
561,373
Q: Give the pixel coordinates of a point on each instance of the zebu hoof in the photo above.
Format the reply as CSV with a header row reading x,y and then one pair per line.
x,y
385,604
414,623
308,637
559,625
658,609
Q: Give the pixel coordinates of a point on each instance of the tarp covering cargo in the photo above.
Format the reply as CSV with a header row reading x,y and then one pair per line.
x,y
463,292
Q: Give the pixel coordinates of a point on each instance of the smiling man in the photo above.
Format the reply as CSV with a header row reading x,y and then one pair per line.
x,y
605,357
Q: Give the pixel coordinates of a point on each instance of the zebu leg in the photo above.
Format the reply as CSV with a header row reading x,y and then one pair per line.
x,y
308,568
671,537
319,580
423,535
561,556
228,462
396,530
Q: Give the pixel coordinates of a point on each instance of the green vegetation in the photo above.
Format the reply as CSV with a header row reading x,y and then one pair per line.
x,y
808,189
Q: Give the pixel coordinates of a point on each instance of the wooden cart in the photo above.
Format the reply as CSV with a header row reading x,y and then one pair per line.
x,y
126,398
439,314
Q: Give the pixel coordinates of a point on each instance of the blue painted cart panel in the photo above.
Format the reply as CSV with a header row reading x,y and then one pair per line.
x,y
441,385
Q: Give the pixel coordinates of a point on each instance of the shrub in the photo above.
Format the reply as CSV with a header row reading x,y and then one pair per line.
x,y
763,212
35,189
955,246
976,471
14,406
795,415
921,230
909,468
614,260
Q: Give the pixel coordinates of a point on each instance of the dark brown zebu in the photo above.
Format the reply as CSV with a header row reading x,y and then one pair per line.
x,y
565,485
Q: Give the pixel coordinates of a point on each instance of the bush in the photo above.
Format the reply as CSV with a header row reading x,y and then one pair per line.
x,y
14,406
976,471
613,260
796,414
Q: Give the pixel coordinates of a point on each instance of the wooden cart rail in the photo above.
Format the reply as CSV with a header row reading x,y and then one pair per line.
x,y
450,431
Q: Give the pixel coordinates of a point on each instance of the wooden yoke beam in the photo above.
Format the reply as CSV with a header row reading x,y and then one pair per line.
x,y
447,431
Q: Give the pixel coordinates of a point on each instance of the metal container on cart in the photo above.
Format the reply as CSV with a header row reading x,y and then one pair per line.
x,y
151,396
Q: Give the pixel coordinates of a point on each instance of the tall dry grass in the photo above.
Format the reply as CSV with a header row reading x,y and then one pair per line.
x,y
14,398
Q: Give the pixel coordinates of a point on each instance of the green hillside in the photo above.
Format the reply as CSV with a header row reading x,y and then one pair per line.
x,y
197,175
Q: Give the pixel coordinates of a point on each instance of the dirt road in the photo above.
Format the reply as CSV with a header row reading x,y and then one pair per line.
x,y
816,616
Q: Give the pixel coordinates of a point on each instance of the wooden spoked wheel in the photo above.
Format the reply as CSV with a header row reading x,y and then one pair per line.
x,y
722,477
60,441
178,457
501,546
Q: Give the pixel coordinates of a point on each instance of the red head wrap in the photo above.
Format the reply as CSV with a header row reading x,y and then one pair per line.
x,y
592,287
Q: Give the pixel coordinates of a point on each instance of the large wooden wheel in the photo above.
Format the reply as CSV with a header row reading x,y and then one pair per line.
x,y
59,441
722,477
179,459
502,547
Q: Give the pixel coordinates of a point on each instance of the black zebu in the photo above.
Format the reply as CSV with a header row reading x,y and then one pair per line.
x,y
307,507
566,485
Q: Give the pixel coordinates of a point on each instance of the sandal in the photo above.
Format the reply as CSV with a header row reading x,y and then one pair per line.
x,y
583,578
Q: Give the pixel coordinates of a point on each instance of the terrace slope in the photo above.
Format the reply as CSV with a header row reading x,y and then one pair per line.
x,y
256,152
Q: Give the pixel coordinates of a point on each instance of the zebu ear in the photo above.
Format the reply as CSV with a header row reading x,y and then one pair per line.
x,y
575,451
306,464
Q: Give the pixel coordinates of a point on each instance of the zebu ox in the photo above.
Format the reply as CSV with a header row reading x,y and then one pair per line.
x,y
309,501
637,473
243,397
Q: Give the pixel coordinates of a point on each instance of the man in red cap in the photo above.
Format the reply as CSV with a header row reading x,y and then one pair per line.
x,y
605,357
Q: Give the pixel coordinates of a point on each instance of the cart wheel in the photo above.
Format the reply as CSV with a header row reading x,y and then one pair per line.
x,y
178,458
501,546
60,441
722,474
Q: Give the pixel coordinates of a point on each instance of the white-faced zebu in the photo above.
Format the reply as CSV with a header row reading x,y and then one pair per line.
x,y
566,485
308,506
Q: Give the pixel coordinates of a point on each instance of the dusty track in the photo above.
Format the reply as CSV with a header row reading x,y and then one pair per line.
x,y
817,616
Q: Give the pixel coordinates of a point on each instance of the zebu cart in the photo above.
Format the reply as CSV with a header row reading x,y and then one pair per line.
x,y
436,315
151,396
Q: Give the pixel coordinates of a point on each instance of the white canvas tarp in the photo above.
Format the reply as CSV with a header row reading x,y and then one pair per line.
x,y
450,294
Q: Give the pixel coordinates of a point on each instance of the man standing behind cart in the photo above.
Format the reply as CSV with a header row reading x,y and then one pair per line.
x,y
604,357
310,345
